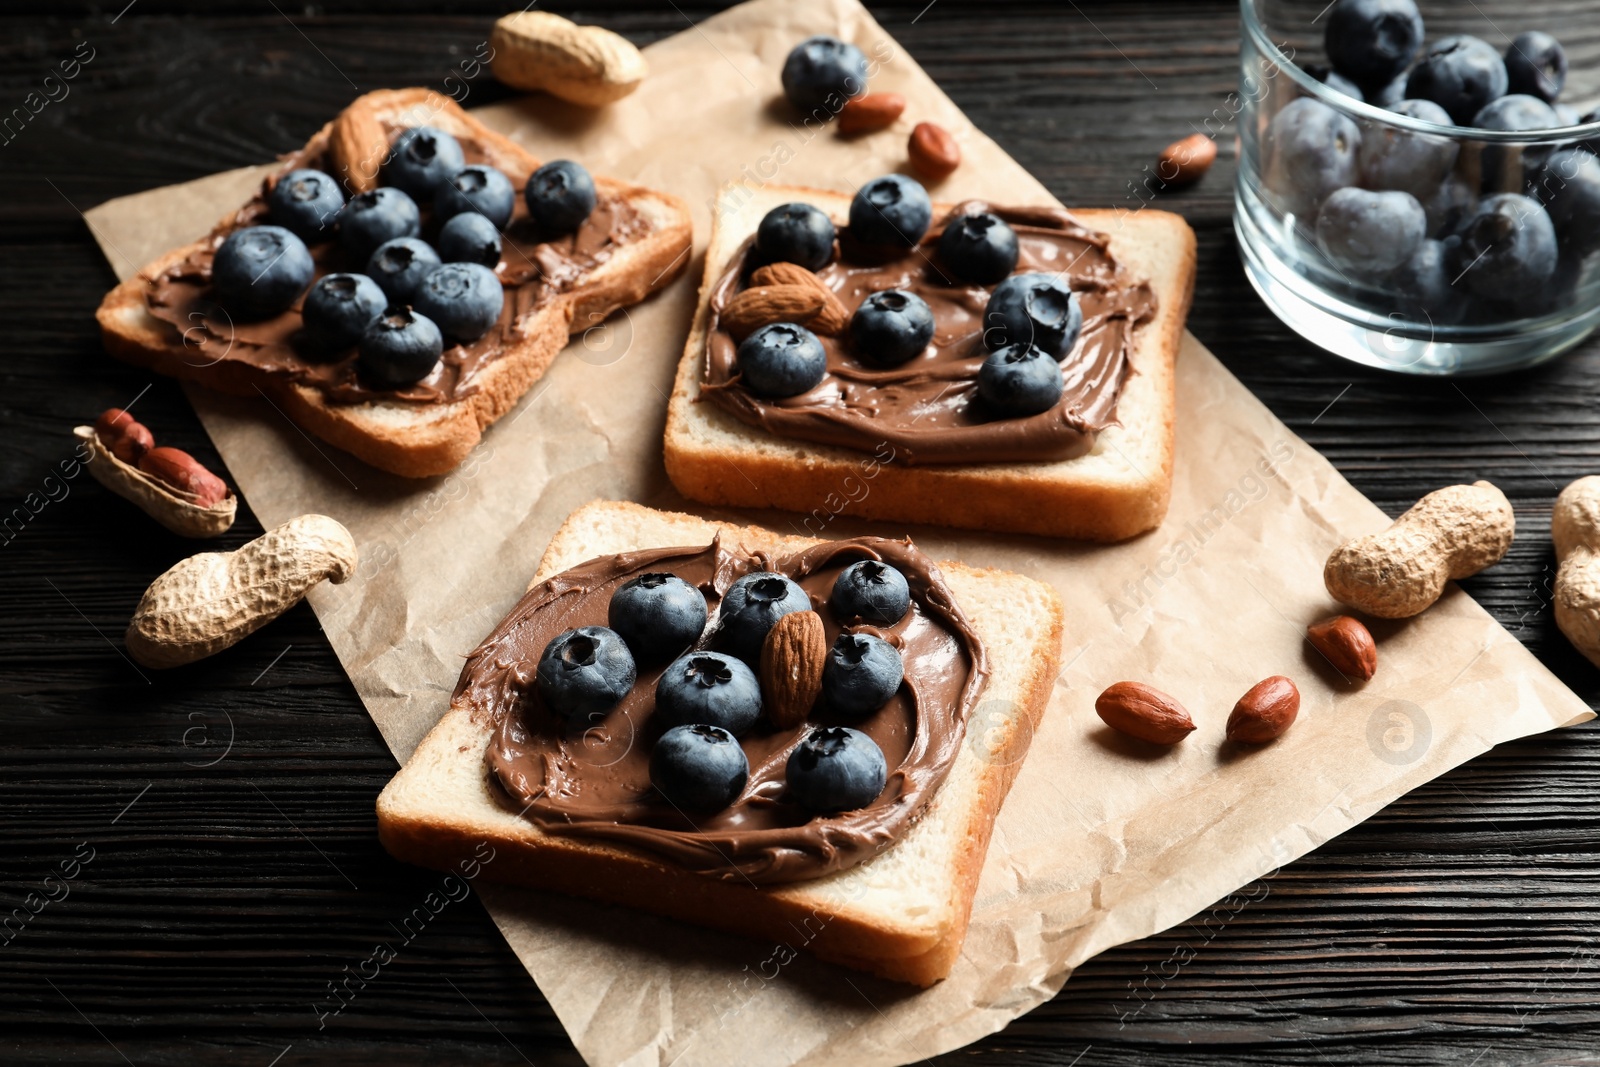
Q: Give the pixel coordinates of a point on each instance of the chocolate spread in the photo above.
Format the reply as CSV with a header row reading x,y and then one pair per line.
x,y
592,781
926,410
531,270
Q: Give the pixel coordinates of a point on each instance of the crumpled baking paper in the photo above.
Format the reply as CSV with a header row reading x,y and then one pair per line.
x,y
1101,842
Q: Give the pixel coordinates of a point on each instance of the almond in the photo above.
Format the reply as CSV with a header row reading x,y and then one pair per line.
x,y
870,111
933,151
831,319
786,274
1141,711
357,146
792,658
813,307
1186,161
764,305
1347,644
1265,712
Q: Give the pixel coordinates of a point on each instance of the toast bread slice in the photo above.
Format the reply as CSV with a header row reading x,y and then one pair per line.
x,y
1120,488
902,914
410,439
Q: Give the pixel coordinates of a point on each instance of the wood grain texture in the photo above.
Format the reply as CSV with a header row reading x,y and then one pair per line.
x,y
1457,926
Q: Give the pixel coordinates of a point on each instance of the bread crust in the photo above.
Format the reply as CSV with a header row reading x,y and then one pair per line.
x,y
419,440
1121,489
442,805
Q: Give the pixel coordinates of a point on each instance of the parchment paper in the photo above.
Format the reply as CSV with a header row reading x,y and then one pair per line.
x,y
1100,842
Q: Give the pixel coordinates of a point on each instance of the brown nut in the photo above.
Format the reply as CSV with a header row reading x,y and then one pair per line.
x,y
185,474
812,306
1186,161
1265,712
1575,530
792,659
177,511
831,318
1144,712
585,65
870,111
1451,533
1346,644
208,602
933,151
125,438
357,145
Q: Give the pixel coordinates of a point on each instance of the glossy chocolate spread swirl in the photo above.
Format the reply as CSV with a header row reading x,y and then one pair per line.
x,y
592,780
927,409
531,270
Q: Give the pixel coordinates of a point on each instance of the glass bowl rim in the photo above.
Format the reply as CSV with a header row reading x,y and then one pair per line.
x,y
1256,30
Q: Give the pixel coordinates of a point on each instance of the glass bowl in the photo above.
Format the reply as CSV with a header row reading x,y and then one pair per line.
x,y
1406,244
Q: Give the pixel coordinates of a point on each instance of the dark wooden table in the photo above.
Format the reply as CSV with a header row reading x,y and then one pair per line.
x,y
228,809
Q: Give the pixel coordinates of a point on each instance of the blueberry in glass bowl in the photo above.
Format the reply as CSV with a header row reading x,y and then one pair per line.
x,y
1361,220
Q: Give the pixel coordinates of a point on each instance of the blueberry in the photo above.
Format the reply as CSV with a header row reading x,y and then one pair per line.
x,y
699,768
398,266
464,299
560,196
1508,248
1449,206
1370,41
872,591
1415,163
1460,74
892,211
1591,145
1310,151
1422,284
978,249
822,72
401,348
890,327
1568,115
1505,165
1339,83
420,159
307,204
1536,65
658,614
1033,309
1370,233
836,769
1019,380
781,360
260,271
710,688
861,674
1559,294
796,233
751,606
339,309
1569,188
584,672
1387,96
469,238
476,188
1334,80
370,219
